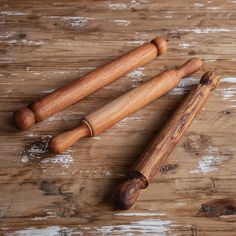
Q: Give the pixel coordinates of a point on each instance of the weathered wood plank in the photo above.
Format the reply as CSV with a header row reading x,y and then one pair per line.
x,y
46,44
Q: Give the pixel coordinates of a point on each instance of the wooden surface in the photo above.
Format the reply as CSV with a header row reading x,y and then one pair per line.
x,y
45,44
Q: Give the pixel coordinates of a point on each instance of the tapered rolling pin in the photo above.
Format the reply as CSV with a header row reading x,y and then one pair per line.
x,y
128,103
149,164
73,92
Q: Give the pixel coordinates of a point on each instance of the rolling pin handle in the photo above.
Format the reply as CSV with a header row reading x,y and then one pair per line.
x,y
190,67
63,141
126,194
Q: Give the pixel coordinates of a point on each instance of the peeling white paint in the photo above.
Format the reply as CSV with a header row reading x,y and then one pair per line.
x,y
228,79
49,231
74,21
31,42
209,162
117,6
184,86
207,30
184,45
197,4
64,158
143,227
38,218
228,93
12,13
11,41
65,116
139,42
47,91
122,22
136,73
124,6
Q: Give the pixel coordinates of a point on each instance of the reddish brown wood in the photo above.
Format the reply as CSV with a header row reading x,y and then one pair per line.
x,y
156,154
126,104
78,89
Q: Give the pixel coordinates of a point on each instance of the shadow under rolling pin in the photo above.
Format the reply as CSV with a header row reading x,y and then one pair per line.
x,y
125,105
156,154
73,92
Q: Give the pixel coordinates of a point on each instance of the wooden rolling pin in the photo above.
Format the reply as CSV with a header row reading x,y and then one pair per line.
x,y
78,89
149,164
128,103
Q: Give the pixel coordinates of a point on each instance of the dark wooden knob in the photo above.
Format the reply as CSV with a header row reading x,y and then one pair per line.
x,y
126,194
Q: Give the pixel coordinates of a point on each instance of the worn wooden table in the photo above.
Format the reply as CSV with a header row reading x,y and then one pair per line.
x,y
45,44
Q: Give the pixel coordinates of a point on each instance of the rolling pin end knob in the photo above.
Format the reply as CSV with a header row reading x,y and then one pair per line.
x,y
210,79
24,118
161,45
126,194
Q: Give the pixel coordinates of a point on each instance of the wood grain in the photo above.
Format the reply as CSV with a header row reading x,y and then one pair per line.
x,y
74,91
123,106
47,44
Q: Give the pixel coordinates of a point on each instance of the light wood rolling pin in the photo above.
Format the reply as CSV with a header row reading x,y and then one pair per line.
x,y
149,164
71,93
128,103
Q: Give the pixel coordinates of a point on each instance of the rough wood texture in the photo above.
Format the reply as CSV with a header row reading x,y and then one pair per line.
x,y
125,105
76,90
149,164
45,45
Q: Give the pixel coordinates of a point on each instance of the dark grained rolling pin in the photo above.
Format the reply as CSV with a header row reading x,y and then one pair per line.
x,y
128,103
156,154
73,92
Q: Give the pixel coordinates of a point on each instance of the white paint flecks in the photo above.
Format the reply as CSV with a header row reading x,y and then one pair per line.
x,y
117,6
122,22
184,45
136,73
47,91
65,158
184,86
25,42
31,42
11,41
228,80
65,116
124,6
124,121
147,226
209,162
228,93
49,231
139,214
206,30
197,4
38,218
12,13
136,42
74,21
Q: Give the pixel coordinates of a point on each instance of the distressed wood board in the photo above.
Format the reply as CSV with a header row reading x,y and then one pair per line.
x,y
46,44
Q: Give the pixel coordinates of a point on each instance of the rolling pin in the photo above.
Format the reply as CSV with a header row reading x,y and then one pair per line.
x,y
125,105
149,164
71,93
